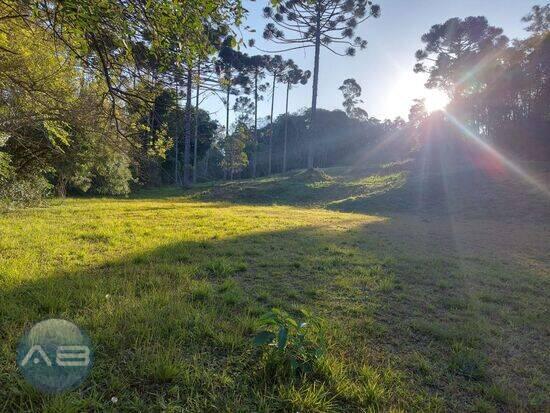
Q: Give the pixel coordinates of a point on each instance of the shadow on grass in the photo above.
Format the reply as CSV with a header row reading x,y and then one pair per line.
x,y
172,327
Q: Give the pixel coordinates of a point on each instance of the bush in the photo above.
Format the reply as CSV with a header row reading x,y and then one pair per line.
x,y
5,168
25,192
112,177
19,191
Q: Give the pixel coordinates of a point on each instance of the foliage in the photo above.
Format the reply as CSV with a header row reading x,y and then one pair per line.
x,y
292,345
235,158
5,168
538,19
54,120
340,141
207,130
130,36
91,80
456,46
352,93
293,75
339,20
24,192
112,176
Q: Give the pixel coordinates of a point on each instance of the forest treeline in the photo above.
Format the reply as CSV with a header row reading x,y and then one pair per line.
x,y
106,97
499,89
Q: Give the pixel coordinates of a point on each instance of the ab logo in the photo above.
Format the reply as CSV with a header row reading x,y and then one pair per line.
x,y
55,356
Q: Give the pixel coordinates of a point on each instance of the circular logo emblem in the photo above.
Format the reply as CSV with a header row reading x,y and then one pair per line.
x,y
55,356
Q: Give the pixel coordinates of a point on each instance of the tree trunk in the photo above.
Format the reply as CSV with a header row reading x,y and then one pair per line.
x,y
207,158
286,127
255,160
312,130
227,114
196,124
271,127
187,136
177,140
61,187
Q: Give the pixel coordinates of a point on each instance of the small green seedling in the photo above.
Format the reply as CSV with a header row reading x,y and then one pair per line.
x,y
295,345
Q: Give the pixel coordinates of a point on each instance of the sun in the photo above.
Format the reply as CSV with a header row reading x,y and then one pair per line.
x,y
435,100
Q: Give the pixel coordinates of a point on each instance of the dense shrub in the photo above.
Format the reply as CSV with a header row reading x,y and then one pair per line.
x,y
23,192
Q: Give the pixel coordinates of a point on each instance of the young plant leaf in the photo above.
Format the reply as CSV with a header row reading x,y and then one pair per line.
x,y
263,338
283,336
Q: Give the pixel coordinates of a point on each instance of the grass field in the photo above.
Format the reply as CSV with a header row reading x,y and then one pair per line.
x,y
429,304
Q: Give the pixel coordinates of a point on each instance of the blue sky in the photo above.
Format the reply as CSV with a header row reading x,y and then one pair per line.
x,y
384,69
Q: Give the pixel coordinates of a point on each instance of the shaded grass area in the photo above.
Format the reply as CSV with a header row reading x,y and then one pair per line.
x,y
303,188
429,188
170,292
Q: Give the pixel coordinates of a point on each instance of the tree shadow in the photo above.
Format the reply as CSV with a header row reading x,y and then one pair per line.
x,y
183,316
173,326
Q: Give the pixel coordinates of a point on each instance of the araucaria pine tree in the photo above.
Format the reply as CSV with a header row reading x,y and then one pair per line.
x,y
330,24
292,75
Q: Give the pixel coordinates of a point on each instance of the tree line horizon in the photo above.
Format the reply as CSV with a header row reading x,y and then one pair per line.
x,y
92,103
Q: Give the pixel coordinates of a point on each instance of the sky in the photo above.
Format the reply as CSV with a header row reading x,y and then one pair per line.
x,y
385,68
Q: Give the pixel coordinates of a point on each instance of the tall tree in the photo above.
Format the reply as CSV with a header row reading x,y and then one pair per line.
x,y
276,66
453,48
196,131
498,91
235,158
257,66
538,19
352,97
231,68
187,131
318,23
199,71
292,75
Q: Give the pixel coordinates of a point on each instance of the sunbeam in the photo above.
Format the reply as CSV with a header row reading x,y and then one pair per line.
x,y
512,166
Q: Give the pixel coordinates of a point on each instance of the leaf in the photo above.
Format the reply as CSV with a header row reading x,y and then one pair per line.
x,y
263,338
293,365
56,132
268,318
283,336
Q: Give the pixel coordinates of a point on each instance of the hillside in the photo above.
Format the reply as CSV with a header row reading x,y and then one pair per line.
x,y
398,187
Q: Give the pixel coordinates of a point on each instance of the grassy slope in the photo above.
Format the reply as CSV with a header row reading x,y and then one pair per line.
x,y
426,310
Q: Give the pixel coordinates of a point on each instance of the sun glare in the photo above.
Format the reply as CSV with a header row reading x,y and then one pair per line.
x,y
435,100
407,87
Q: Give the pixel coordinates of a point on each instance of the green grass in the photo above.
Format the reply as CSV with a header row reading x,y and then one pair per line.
x,y
421,314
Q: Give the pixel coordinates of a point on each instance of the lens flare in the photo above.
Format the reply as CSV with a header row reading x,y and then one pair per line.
x,y
512,166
